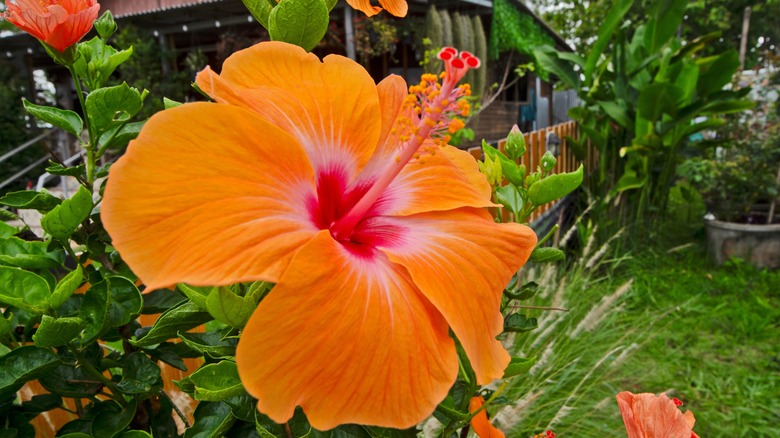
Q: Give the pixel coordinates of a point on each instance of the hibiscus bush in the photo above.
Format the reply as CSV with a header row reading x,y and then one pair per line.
x,y
302,255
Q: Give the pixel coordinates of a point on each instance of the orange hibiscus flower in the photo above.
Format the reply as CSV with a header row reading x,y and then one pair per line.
x,y
650,416
480,423
309,175
58,23
399,8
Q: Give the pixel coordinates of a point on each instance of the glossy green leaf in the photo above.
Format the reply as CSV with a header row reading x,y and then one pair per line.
x,y
56,332
666,16
243,407
7,230
139,375
547,255
716,71
23,289
178,319
211,343
65,218
510,198
196,294
113,302
229,308
659,98
65,288
260,9
160,300
555,186
212,420
70,382
608,26
112,104
509,168
61,118
618,111
42,201
23,364
119,136
517,322
518,365
42,403
134,434
102,59
217,381
113,419
299,22
60,170
552,62
29,255
524,292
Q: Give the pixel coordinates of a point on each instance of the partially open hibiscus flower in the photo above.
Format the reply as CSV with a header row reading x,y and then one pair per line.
x,y
307,174
399,8
650,416
58,23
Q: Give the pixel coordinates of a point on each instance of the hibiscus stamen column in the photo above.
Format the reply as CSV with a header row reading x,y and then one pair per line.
x,y
427,114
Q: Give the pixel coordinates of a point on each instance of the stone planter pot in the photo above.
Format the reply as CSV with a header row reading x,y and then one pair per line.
x,y
757,244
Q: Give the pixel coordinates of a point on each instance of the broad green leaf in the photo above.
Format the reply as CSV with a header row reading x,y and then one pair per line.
x,y
56,332
211,343
103,60
113,302
716,71
42,201
212,420
119,136
260,9
170,103
139,375
29,255
509,168
659,98
618,111
160,300
727,106
608,26
180,318
243,407
554,186
665,18
69,381
509,197
229,308
553,62
299,22
60,170
525,291
112,104
7,230
196,294
65,218
23,289
517,322
23,364
110,421
547,255
217,381
126,301
134,434
42,403
629,181
518,365
66,287
61,118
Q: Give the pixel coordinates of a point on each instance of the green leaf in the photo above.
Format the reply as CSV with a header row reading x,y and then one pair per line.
x,y
299,22
63,219
608,26
180,318
68,381
56,332
243,407
509,168
139,375
618,112
113,302
547,255
29,255
160,300
518,365
509,197
23,364
727,106
629,181
112,419
134,434
659,98
196,294
666,16
7,230
103,60
42,201
66,287
217,381
553,62
60,170
64,119
517,322
260,9
229,308
211,343
170,103
525,292
117,140
112,104
212,420
42,403
554,186
23,289
716,71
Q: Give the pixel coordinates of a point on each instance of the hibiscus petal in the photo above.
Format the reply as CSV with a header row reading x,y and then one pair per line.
x,y
347,336
210,195
399,8
480,423
329,106
462,260
365,6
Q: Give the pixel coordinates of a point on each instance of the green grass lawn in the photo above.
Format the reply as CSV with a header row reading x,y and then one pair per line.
x,y
708,335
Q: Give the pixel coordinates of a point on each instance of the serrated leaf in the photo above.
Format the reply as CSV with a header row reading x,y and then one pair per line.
x,y
42,201
56,332
554,186
180,318
217,381
66,287
139,375
63,219
23,364
29,255
61,118
517,322
547,255
518,365
299,22
23,289
110,105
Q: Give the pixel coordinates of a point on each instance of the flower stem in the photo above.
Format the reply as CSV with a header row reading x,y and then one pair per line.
x,y
90,147
86,366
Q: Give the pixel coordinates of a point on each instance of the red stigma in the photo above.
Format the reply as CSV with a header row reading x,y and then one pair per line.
x,y
677,401
550,434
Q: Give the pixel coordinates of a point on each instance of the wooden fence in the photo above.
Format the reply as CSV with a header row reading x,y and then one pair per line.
x,y
536,146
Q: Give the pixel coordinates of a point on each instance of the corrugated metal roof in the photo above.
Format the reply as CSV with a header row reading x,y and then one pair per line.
x,y
132,8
